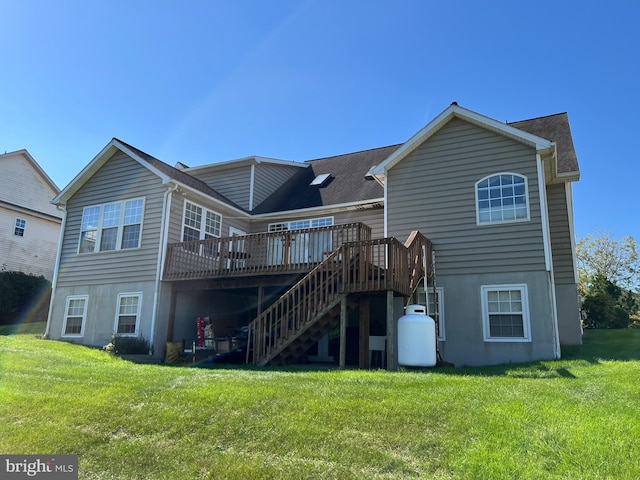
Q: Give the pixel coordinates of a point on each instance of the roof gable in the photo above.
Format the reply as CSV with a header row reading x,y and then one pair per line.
x,y
347,183
455,111
25,185
165,172
35,165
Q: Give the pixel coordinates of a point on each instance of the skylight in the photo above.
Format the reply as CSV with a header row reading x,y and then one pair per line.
x,y
320,180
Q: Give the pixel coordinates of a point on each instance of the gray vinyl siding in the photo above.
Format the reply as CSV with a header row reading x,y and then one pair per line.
x,y
561,241
121,178
233,182
433,190
268,178
374,218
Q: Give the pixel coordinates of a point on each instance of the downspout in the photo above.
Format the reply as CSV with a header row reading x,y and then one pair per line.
x,y
164,234
56,269
548,255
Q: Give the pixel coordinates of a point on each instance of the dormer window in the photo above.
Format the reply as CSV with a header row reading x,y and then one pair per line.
x,y
321,180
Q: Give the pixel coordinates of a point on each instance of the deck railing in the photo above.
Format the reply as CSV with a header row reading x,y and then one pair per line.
x,y
258,254
364,266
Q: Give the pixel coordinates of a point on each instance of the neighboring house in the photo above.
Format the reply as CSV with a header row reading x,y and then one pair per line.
x,y
29,223
311,259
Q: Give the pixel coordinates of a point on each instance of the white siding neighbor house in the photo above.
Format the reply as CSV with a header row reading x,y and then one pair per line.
x,y
29,224
276,261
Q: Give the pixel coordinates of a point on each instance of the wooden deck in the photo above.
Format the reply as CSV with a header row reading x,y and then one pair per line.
x,y
291,251
335,262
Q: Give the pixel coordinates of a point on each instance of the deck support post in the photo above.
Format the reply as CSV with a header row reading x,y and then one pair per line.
x,y
259,306
392,363
172,314
364,329
343,332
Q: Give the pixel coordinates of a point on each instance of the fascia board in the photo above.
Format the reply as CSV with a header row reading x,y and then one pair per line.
x,y
327,209
96,163
39,169
438,122
245,161
85,173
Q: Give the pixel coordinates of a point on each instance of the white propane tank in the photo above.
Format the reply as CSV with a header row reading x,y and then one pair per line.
x,y
416,338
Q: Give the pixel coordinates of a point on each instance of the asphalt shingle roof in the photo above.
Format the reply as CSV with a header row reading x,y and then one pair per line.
x,y
347,183
181,176
556,129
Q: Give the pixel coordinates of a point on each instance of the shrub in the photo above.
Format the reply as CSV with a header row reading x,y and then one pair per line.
x,y
127,345
21,292
602,312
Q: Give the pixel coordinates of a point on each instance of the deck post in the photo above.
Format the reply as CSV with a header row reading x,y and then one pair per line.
x,y
172,314
363,346
392,364
343,332
260,300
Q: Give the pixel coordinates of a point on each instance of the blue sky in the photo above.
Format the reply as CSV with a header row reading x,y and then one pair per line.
x,y
205,81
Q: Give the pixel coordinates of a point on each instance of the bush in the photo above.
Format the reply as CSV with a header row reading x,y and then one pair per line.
x,y
21,293
602,312
127,345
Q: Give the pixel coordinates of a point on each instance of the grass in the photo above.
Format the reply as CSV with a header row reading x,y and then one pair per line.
x,y
574,418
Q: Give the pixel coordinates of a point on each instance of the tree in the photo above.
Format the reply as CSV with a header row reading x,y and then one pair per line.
x,y
602,305
616,260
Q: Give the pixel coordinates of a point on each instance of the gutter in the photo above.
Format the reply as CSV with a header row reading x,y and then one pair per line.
x,y
546,240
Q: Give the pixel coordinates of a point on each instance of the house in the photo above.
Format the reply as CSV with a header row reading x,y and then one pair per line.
x,y
29,224
470,217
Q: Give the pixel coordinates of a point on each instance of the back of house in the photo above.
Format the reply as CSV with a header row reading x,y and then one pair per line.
x,y
150,250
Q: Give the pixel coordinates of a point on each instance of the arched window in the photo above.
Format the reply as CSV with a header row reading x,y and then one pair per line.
x,y
502,197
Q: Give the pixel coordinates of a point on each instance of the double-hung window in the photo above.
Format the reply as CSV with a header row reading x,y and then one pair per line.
x,y
75,316
111,226
505,313
128,314
21,224
200,223
502,198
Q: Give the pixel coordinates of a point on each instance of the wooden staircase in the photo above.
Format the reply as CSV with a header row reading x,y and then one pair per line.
x,y
311,308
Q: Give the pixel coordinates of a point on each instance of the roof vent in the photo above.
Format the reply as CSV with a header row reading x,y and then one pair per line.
x,y
369,174
320,180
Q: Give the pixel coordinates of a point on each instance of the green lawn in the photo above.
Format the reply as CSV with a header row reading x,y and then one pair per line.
x,y
576,418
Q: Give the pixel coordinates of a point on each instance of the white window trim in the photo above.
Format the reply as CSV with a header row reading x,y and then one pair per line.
x,y
23,227
441,317
66,315
273,227
120,226
203,220
502,222
526,322
115,325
